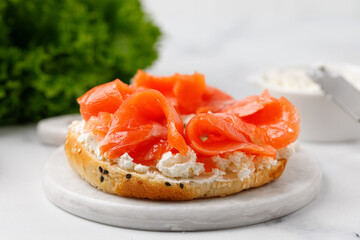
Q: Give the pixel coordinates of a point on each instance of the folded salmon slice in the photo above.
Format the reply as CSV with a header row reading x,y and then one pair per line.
x,y
187,93
214,100
254,104
280,132
145,125
103,98
147,140
214,134
163,84
277,120
99,125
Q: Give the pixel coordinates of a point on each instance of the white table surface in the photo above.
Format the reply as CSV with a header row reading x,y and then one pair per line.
x,y
25,213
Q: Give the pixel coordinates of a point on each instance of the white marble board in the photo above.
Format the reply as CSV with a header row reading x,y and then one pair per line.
x,y
293,190
53,130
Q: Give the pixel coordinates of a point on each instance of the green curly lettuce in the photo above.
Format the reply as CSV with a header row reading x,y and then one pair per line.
x,y
52,51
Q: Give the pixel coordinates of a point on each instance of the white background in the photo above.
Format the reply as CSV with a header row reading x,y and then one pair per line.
x,y
229,39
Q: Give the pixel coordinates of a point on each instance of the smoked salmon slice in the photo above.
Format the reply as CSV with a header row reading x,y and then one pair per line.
x,y
99,125
133,141
164,85
144,122
187,93
188,101
277,120
253,104
103,98
214,100
281,131
214,134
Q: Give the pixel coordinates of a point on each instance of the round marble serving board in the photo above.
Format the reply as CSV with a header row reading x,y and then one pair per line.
x,y
53,130
297,186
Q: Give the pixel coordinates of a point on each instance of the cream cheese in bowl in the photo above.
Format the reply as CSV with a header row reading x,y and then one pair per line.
x,y
321,119
296,79
291,79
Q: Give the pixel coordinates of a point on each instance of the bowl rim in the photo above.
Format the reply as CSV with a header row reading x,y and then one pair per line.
x,y
258,78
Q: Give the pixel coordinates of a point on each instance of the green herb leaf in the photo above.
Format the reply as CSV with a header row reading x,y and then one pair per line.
x,y
52,52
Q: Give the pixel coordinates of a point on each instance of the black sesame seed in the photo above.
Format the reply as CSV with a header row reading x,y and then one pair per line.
x,y
128,176
106,171
100,169
101,179
167,184
181,185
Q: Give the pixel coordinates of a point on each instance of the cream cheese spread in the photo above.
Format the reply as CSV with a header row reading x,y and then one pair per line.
x,y
236,162
126,162
185,166
180,166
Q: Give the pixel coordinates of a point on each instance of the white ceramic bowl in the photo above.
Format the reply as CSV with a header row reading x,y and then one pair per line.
x,y
321,119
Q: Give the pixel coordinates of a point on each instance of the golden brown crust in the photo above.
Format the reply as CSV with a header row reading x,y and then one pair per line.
x,y
113,179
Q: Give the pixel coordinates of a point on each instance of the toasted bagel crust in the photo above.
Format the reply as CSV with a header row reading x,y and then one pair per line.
x,y
132,184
